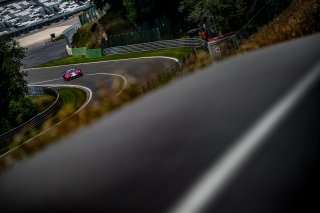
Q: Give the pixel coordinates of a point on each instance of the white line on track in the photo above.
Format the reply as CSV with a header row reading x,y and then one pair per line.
x,y
117,75
125,84
88,91
40,82
216,178
109,61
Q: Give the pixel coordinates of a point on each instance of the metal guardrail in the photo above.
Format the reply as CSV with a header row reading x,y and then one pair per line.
x,y
189,42
69,32
34,91
222,48
132,38
24,129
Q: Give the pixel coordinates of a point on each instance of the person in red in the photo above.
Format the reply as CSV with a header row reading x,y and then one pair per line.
x,y
204,35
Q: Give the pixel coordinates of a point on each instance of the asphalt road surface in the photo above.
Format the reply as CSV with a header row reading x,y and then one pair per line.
x,y
41,53
103,75
240,136
38,51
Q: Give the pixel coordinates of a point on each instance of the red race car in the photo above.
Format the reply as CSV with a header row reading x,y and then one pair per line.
x,y
72,73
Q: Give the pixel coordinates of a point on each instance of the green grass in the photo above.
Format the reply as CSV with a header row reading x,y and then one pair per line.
x,y
42,102
74,96
83,36
301,18
115,23
173,52
89,35
72,99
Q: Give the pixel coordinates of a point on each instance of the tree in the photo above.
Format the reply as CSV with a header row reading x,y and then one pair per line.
x,y
131,9
116,5
12,82
224,13
140,10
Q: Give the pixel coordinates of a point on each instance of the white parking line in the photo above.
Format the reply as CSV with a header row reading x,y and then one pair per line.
x,y
213,181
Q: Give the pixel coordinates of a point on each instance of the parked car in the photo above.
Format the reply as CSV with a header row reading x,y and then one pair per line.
x,y
72,73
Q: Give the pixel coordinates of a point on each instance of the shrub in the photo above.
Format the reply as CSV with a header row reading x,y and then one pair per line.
x,y
299,19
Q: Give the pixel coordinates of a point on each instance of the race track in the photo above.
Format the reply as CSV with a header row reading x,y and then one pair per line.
x,y
112,76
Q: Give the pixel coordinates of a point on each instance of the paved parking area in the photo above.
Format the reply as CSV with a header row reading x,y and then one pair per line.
x,y
43,35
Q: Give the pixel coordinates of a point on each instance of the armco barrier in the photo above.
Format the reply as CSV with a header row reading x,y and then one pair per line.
x,y
163,44
69,32
24,129
69,50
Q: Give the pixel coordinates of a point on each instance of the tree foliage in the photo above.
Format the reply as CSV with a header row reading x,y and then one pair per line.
x,y
225,15
12,82
116,5
229,15
142,10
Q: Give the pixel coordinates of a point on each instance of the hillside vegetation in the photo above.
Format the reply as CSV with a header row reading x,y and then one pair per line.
x,y
174,18
301,18
90,34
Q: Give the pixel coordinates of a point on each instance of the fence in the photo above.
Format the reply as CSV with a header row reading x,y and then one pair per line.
x,y
164,44
88,53
224,47
25,129
93,53
164,25
132,38
91,14
34,91
79,51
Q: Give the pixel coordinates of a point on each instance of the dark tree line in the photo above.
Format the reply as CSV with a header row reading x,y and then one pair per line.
x,y
12,84
228,15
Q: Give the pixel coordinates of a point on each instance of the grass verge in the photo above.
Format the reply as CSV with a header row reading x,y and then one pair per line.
x,y
301,18
72,99
42,102
173,52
